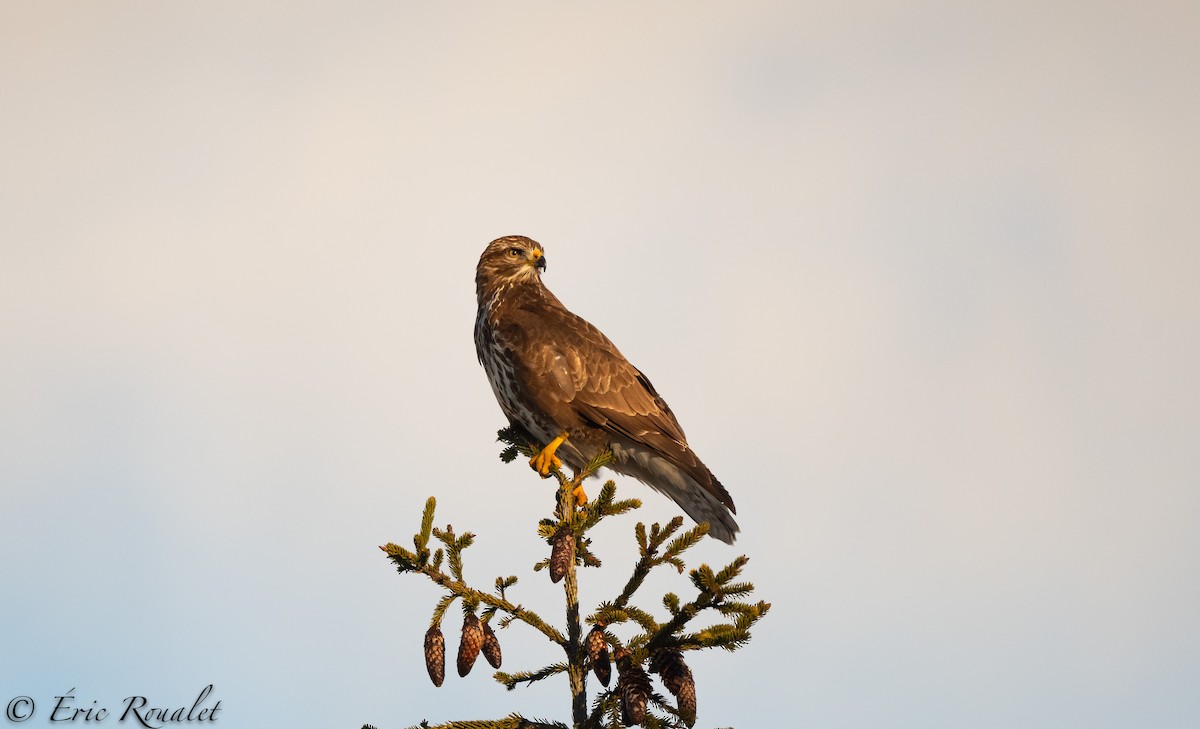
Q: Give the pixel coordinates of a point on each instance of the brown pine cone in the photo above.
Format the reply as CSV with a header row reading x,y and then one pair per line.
x,y
668,664
686,699
472,642
633,688
597,648
491,646
435,655
562,553
677,677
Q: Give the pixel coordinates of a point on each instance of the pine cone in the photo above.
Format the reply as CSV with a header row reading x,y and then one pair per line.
x,y
677,677
472,642
491,646
597,647
633,688
686,699
562,555
435,655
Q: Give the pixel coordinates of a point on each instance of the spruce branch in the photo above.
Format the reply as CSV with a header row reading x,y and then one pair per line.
x,y
426,523
514,721
649,545
635,638
570,525
510,680
439,612
407,561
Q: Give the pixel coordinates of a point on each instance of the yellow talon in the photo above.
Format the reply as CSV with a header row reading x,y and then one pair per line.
x,y
580,497
544,461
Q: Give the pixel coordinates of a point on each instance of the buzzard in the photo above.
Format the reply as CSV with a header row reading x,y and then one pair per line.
x,y
561,380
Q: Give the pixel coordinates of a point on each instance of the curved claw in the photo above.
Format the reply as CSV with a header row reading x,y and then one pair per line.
x,y
544,461
580,496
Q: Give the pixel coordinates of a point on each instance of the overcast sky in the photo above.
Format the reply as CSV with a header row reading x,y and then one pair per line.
x,y
918,279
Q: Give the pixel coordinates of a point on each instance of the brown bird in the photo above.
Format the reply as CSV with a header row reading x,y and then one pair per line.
x,y
561,380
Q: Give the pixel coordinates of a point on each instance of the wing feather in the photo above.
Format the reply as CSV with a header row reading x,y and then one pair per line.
x,y
591,375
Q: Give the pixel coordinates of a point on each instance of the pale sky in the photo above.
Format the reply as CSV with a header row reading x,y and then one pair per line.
x,y
918,280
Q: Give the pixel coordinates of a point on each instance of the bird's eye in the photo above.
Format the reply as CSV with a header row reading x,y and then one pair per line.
x,y
514,252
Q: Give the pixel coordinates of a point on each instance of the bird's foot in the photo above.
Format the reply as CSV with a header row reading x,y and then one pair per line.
x,y
546,460
580,497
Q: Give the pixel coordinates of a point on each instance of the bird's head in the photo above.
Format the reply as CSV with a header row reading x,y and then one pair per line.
x,y
506,262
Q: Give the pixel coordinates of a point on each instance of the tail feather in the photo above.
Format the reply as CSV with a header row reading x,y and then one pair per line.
x,y
702,502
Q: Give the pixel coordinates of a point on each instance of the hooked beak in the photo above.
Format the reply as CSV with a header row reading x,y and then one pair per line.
x,y
539,260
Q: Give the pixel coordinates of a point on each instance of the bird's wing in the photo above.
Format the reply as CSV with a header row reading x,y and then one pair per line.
x,y
569,362
571,372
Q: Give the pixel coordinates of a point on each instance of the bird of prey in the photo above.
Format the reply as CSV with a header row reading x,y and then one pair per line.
x,y
561,380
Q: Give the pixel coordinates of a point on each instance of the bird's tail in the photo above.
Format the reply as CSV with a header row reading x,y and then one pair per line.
x,y
703,501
